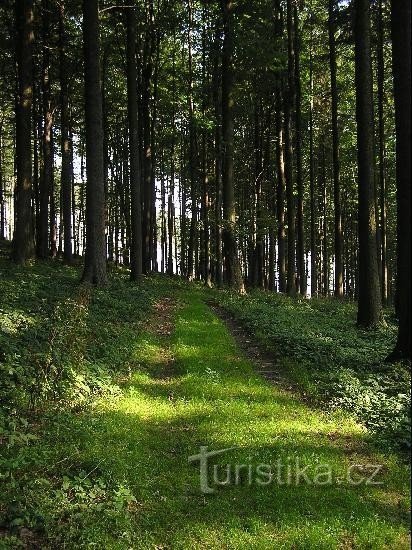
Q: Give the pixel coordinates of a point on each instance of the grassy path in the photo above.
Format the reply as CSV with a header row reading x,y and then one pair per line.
x,y
193,388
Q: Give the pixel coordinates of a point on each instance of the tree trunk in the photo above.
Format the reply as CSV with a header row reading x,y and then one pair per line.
x,y
335,153
312,181
301,267
401,37
23,242
66,144
232,265
290,102
147,149
193,161
280,191
382,155
95,255
218,157
42,244
136,266
2,192
369,302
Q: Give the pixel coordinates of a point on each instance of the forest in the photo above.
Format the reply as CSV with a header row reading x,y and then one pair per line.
x,y
205,266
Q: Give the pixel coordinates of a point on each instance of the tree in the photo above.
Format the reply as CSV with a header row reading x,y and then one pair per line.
x,y
335,152
136,266
369,306
95,256
233,273
290,102
66,143
401,37
301,267
23,242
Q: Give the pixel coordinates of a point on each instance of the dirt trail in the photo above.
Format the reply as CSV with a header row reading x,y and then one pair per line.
x,y
265,362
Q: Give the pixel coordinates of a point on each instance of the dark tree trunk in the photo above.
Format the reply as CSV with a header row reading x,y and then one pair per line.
x,y
335,152
312,182
193,160
95,255
301,266
401,37
290,101
52,200
218,158
171,196
66,144
369,301
2,193
136,265
382,156
280,191
23,242
42,244
232,265
147,149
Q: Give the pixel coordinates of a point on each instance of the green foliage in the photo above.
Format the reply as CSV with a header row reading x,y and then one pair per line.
x,y
331,359
106,466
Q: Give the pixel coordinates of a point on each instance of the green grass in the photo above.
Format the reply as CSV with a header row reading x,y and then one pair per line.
x,y
112,470
318,345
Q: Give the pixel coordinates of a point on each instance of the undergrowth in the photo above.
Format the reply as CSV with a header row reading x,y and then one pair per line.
x,y
334,362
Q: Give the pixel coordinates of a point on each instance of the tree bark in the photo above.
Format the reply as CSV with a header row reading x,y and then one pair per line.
x,y
136,265
95,255
232,265
335,153
66,143
280,191
42,244
301,267
401,38
23,242
369,301
290,102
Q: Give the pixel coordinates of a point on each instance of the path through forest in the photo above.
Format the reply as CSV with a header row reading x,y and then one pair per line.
x,y
193,388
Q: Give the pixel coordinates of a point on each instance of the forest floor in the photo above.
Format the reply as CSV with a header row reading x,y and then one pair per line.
x,y
111,469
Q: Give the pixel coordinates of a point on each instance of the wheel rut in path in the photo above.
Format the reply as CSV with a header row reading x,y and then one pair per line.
x,y
265,363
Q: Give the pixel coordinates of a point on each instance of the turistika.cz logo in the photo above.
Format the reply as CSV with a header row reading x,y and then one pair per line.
x,y
283,472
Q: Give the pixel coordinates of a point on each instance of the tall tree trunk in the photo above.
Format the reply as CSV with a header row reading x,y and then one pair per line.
x,y
42,244
147,149
193,161
136,265
290,101
218,157
66,143
52,200
280,191
325,247
301,266
232,265
401,37
258,253
369,302
23,242
382,155
171,196
2,192
335,153
312,183
95,255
